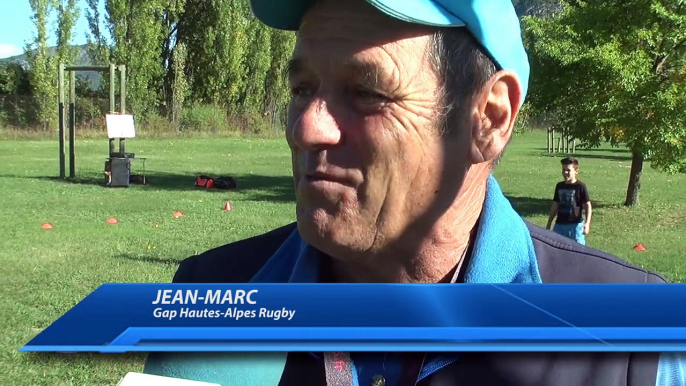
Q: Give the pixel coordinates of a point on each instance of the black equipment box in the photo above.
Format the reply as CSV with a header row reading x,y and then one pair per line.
x,y
120,169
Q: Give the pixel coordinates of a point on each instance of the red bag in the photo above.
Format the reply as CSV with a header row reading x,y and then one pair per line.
x,y
204,182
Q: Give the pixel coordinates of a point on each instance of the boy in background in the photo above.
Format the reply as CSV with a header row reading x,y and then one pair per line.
x,y
571,196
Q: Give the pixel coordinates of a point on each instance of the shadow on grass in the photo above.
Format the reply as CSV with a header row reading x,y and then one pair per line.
x,y
147,259
253,187
581,155
531,206
613,150
595,150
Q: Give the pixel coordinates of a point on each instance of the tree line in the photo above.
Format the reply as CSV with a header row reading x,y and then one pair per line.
x,y
178,53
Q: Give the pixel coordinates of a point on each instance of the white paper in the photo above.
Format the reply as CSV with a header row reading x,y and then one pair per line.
x,y
139,379
120,126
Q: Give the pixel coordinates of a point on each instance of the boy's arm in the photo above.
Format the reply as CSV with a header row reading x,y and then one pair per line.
x,y
553,208
553,214
588,208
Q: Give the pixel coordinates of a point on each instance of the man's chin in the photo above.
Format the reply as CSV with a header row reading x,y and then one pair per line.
x,y
332,237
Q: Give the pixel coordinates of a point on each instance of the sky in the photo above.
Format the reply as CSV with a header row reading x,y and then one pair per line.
x,y
16,27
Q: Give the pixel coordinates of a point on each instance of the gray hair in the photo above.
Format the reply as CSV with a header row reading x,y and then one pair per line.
x,y
463,68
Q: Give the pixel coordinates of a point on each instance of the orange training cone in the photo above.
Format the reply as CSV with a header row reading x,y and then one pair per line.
x,y
178,214
112,220
227,206
640,247
47,225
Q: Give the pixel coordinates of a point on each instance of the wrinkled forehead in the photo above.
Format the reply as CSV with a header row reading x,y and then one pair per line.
x,y
341,33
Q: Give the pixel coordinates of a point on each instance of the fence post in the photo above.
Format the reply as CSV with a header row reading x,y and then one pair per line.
x,y
122,103
113,108
72,124
60,117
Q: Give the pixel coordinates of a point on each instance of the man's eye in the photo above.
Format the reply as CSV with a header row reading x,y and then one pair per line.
x,y
367,96
300,92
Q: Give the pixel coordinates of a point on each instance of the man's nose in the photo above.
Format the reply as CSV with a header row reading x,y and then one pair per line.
x,y
316,127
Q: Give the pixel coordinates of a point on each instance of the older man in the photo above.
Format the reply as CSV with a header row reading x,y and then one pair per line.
x,y
399,111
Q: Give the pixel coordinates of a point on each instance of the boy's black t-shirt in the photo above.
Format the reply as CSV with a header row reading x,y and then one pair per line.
x,y
570,198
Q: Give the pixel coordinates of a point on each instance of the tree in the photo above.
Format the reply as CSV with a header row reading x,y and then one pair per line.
x,y
42,67
14,86
615,71
257,61
98,48
65,52
67,14
275,84
536,7
14,79
170,25
137,40
215,35
180,83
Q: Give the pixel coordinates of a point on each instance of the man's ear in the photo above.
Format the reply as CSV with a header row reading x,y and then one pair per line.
x,y
494,111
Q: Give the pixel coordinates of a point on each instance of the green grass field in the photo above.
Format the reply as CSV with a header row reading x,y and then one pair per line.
x,y
46,272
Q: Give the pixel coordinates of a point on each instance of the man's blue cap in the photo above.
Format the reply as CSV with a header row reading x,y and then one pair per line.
x,y
493,23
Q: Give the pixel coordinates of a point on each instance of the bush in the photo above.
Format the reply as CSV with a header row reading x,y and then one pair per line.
x,y
155,124
204,118
89,114
257,123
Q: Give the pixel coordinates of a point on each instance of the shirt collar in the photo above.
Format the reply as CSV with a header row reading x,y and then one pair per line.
x,y
503,250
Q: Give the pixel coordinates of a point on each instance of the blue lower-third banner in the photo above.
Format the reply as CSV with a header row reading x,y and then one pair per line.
x,y
372,317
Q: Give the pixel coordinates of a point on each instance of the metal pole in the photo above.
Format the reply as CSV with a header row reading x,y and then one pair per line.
x,y
60,112
122,102
72,124
112,106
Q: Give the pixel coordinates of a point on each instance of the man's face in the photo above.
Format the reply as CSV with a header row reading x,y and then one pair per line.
x,y
569,172
368,159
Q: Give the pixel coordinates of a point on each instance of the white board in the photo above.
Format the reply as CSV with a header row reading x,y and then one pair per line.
x,y
120,126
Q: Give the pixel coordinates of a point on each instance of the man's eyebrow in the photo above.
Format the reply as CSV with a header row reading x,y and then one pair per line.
x,y
293,68
366,73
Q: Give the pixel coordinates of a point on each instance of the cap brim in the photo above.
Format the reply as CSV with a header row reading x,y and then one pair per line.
x,y
287,15
418,12
284,14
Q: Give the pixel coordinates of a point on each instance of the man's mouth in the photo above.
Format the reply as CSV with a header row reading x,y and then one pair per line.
x,y
328,177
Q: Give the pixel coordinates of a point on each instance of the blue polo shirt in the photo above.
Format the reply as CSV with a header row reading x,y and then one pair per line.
x,y
503,252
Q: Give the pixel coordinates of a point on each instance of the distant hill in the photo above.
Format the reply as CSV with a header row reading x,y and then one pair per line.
x,y
82,59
